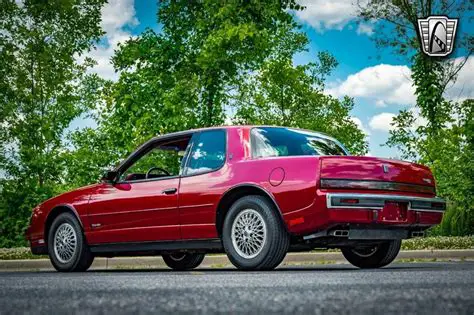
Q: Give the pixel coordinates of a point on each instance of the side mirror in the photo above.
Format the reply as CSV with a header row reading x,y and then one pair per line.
x,y
109,176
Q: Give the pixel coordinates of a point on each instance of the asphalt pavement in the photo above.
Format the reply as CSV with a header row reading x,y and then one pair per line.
x,y
413,288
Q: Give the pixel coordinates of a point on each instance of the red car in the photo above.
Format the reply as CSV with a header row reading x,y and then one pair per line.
x,y
253,192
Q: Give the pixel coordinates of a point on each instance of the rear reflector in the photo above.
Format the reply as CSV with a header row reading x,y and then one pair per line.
x,y
375,185
296,221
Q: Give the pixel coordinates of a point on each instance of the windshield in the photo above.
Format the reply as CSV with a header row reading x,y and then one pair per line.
x,y
280,141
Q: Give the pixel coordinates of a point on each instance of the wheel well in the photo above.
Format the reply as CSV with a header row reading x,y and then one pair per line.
x,y
233,195
53,214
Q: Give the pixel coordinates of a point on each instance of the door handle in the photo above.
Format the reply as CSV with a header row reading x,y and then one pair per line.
x,y
169,191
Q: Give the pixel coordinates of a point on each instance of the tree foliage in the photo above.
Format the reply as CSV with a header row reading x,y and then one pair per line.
x,y
443,140
196,71
287,95
40,94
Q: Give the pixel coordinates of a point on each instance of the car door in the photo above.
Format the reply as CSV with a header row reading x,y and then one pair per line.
x,y
202,184
135,209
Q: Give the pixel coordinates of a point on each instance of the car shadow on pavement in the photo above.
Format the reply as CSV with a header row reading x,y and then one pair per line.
x,y
405,267
285,269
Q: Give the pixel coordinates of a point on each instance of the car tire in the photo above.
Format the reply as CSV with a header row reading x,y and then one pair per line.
x,y
183,261
253,234
372,257
67,247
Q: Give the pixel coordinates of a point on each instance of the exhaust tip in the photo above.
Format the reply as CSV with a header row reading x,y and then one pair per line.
x,y
340,233
417,234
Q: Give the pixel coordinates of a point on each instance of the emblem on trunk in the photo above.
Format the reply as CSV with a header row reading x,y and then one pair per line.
x,y
437,35
427,180
385,168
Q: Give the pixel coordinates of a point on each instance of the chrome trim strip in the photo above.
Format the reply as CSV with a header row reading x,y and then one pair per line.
x,y
409,199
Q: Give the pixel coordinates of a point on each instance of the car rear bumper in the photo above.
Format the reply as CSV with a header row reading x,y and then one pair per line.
x,y
331,209
378,202
384,209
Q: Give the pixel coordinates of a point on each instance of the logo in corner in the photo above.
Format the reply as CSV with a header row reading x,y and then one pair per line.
x,y
437,35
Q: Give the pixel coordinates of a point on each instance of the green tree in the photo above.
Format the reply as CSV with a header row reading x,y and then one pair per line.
x,y
197,68
445,142
397,29
179,78
287,95
41,92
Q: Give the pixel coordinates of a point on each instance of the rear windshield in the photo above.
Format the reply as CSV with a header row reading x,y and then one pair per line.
x,y
278,141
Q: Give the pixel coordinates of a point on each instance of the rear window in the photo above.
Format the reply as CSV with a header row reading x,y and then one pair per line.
x,y
278,141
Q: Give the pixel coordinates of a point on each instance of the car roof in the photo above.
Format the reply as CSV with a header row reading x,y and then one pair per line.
x,y
190,131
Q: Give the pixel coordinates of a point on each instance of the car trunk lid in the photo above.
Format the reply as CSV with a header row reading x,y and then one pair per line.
x,y
376,173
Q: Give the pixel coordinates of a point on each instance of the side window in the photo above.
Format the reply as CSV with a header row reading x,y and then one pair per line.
x,y
263,146
280,141
162,160
208,152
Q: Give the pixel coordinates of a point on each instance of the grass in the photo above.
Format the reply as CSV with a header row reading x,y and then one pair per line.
x,y
18,253
439,242
220,265
427,243
311,263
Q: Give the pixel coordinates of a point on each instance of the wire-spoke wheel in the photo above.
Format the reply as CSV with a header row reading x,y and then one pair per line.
x,y
67,247
65,243
253,235
249,233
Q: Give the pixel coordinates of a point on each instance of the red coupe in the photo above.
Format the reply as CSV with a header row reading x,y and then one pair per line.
x,y
253,192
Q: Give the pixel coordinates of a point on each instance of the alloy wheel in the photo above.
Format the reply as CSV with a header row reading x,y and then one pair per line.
x,y
249,233
65,243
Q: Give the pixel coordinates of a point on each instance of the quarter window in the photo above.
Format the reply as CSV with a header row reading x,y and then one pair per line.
x,y
278,141
208,152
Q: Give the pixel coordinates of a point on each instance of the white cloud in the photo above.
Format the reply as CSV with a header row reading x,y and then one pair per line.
x,y
364,28
381,122
380,103
323,14
116,15
381,84
385,85
463,88
360,125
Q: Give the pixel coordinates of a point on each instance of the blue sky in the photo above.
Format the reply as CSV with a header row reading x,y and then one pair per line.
x,y
378,80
